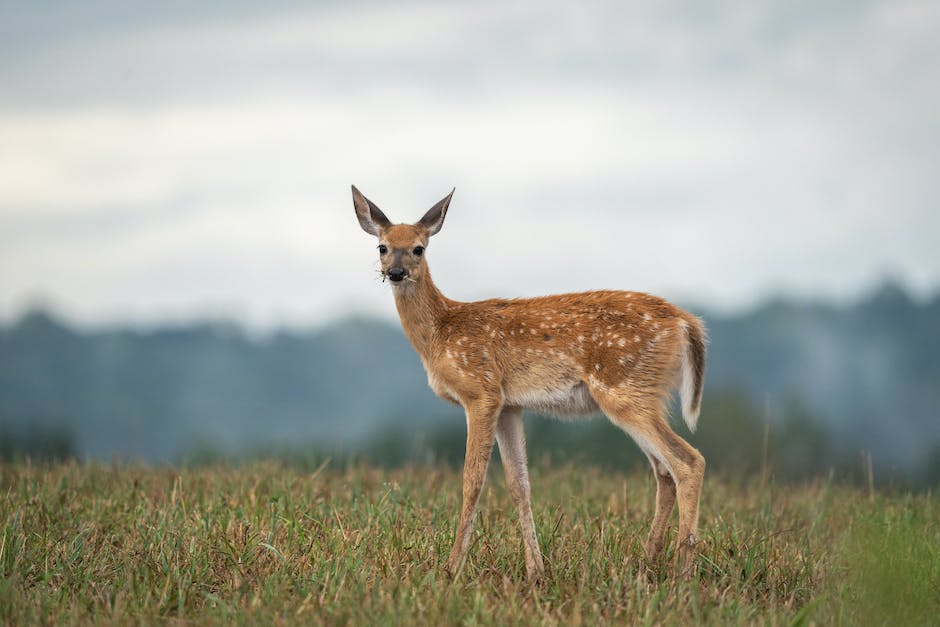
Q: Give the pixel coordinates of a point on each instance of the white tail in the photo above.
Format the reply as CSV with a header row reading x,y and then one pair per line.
x,y
692,372
621,353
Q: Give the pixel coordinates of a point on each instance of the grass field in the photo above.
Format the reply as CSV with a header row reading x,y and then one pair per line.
x,y
269,543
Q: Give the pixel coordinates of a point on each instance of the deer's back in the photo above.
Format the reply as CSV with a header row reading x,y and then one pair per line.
x,y
547,353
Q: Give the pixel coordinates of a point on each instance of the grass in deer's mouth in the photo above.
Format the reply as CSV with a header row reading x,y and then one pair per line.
x,y
274,544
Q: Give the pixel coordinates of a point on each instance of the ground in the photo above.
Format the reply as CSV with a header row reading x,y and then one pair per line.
x,y
273,543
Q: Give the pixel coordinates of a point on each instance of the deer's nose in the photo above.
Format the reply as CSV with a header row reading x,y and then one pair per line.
x,y
396,274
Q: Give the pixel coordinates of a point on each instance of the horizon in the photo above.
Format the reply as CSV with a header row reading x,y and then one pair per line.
x,y
888,284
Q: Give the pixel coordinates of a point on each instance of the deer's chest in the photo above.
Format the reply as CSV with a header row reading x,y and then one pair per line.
x,y
440,385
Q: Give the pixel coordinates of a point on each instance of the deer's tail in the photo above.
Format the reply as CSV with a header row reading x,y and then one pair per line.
x,y
692,371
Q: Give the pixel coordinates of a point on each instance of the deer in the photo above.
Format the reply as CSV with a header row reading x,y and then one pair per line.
x,y
616,352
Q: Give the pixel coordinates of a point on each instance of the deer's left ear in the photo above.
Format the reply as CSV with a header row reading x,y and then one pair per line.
x,y
433,220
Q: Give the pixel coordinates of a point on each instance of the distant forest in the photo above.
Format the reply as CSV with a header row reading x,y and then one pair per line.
x,y
792,388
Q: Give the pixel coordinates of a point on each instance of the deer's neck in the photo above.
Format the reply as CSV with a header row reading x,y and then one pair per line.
x,y
421,307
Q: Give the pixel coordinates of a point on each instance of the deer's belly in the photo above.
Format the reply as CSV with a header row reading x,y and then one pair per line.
x,y
569,400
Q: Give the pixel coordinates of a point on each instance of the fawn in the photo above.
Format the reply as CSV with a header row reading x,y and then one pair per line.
x,y
620,353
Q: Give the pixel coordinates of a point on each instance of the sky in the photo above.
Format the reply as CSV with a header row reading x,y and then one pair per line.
x,y
177,160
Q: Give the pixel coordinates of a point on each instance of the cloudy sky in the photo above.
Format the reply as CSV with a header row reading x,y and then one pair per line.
x,y
180,159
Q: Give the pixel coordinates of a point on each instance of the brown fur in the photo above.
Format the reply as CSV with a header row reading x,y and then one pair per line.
x,y
571,354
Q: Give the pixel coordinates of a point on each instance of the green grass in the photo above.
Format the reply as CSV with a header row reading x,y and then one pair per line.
x,y
272,544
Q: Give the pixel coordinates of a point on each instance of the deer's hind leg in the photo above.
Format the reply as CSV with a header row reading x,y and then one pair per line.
x,y
665,501
644,419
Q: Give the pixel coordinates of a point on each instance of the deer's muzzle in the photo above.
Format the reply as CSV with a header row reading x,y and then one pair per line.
x,y
396,274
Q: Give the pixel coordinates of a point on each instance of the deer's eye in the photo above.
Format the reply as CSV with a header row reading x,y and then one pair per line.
x,y
418,251
383,249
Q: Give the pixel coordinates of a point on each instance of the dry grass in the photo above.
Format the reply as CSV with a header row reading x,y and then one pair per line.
x,y
268,543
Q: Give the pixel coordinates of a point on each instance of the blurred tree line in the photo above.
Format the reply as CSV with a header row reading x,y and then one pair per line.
x,y
791,388
40,442
735,437
738,439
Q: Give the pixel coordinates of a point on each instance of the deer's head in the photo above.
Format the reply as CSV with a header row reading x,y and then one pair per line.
x,y
401,246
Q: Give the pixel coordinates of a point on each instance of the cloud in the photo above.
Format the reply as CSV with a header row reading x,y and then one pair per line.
x,y
157,167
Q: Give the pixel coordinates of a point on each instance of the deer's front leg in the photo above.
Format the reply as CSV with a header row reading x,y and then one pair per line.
x,y
510,436
481,428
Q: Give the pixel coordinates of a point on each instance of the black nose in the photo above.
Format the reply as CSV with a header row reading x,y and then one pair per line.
x,y
396,274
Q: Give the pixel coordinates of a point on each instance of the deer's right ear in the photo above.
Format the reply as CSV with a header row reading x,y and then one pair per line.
x,y
371,218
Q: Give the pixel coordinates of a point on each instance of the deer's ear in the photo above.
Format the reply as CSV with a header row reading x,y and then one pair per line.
x,y
433,220
371,218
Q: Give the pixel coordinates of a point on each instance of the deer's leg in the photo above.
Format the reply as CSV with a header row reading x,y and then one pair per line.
x,y
665,500
644,420
689,492
510,436
687,467
482,417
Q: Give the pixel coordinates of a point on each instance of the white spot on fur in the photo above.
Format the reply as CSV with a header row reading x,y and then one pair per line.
x,y
597,383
